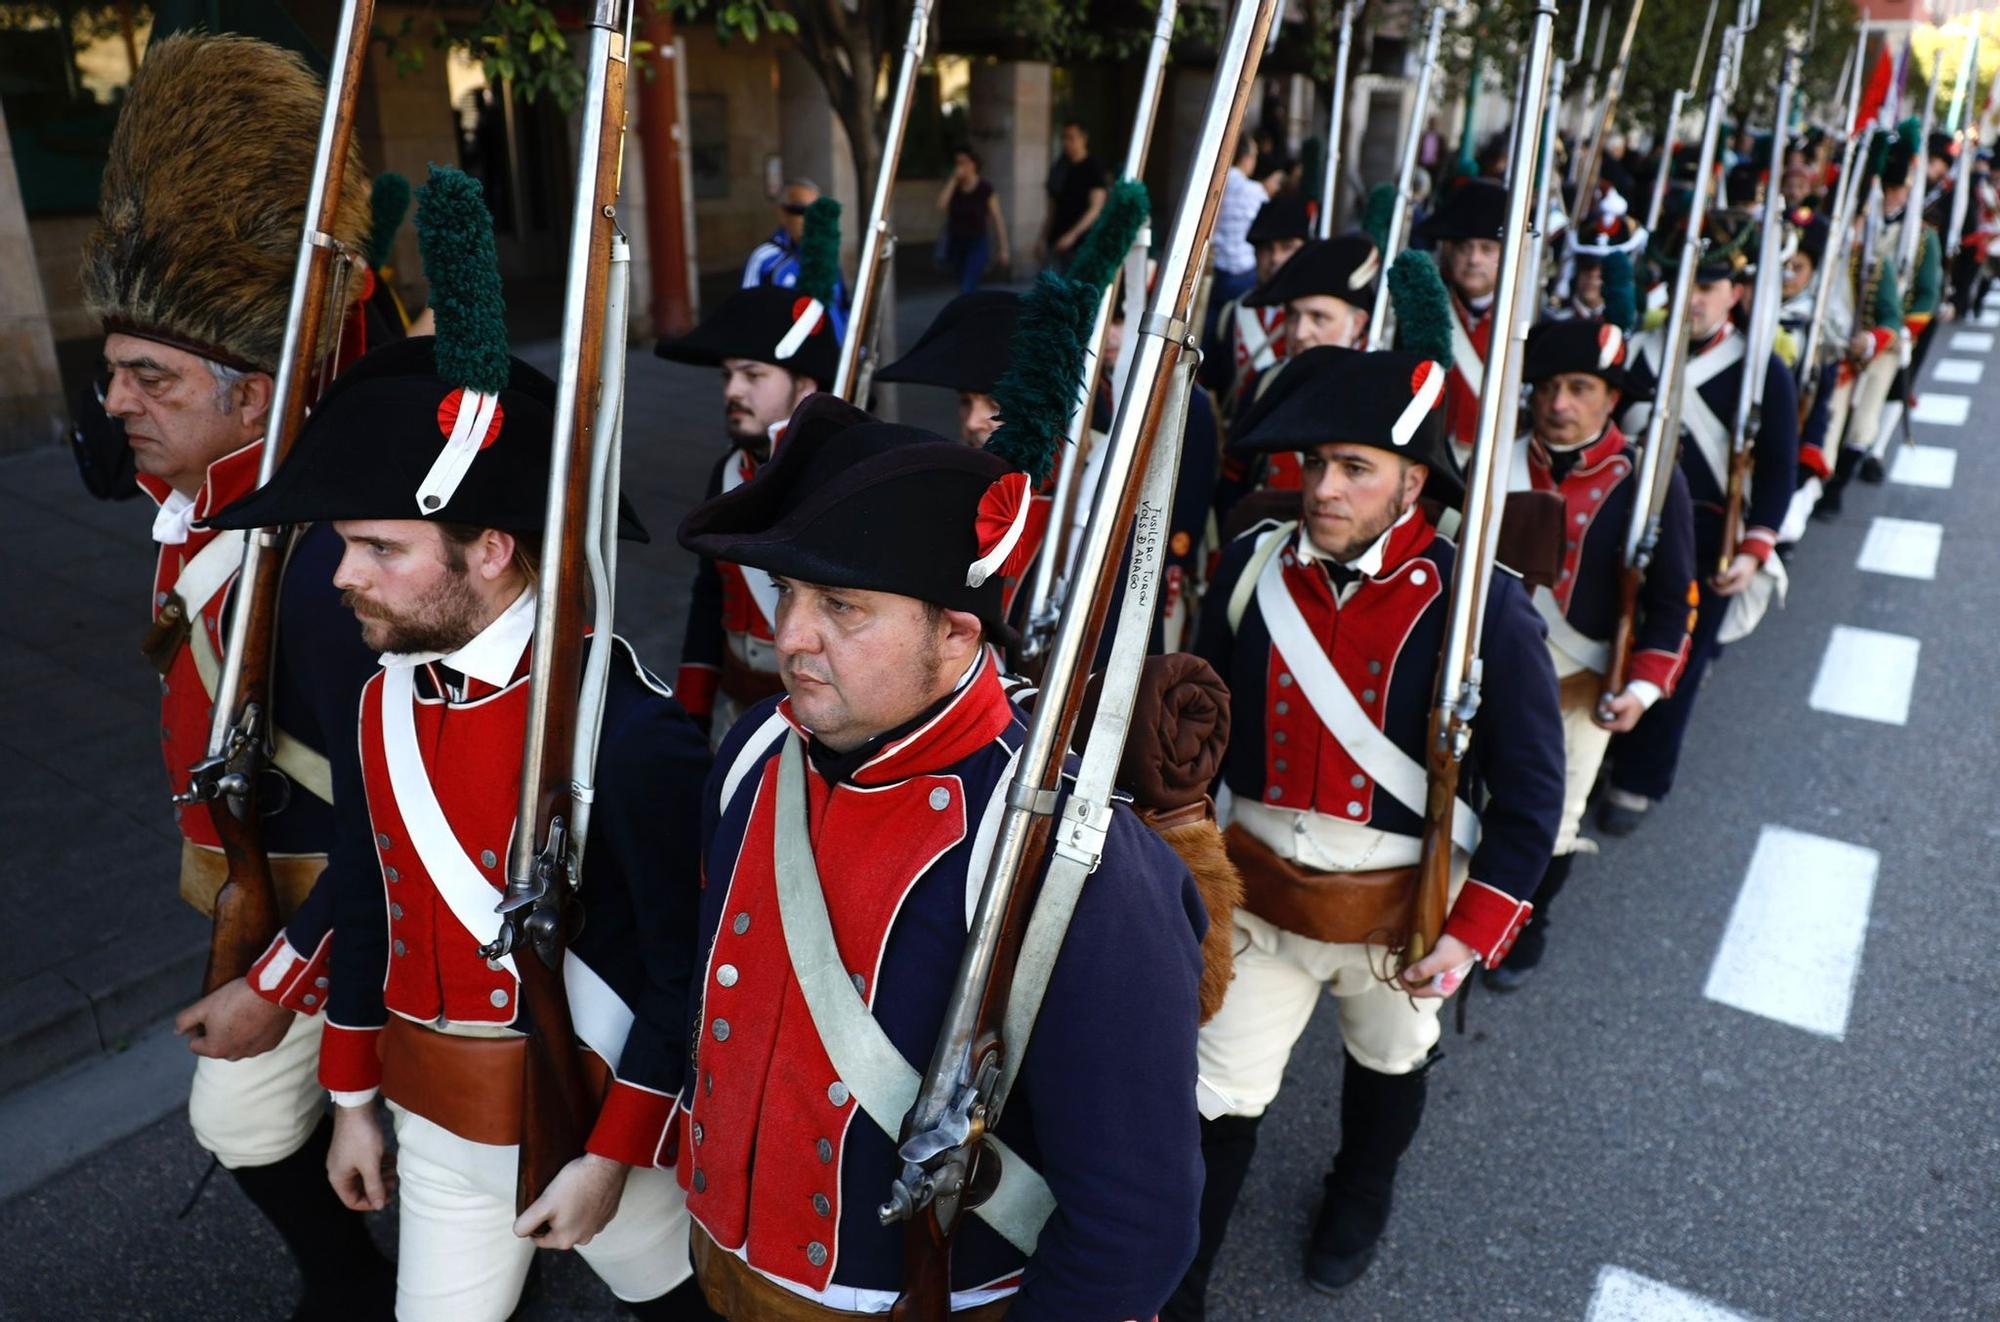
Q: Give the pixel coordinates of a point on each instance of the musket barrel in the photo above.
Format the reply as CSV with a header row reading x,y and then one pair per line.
x,y
1614,87
1054,554
876,238
1157,348
1406,173
1336,125
1831,261
304,333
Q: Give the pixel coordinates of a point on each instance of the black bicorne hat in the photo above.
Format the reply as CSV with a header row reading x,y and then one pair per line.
x,y
1346,268
1389,399
1583,344
849,501
1476,209
967,347
1285,216
765,325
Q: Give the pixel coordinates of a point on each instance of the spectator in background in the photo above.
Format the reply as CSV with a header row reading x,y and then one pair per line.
x,y
1077,189
974,229
1251,182
776,260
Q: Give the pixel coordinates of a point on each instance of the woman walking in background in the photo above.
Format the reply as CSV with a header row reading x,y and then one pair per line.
x,y
971,206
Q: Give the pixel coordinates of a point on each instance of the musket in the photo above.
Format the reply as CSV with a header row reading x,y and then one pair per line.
x,y
1761,335
1379,319
1336,122
230,780
538,908
1049,587
1682,96
1658,454
1961,170
878,238
943,1136
1589,97
1548,172
1839,225
1458,681
1911,236
1614,87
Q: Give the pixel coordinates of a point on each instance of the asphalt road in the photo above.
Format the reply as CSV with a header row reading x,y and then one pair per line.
x,y
1608,1127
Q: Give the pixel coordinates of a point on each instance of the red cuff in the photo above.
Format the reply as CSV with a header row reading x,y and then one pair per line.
x,y
1883,338
1660,669
1814,460
635,1126
284,977
1758,542
350,1059
695,686
1487,919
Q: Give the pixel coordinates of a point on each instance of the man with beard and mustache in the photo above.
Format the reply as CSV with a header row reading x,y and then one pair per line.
x,y
1735,595
1327,629
727,658
189,362
417,1014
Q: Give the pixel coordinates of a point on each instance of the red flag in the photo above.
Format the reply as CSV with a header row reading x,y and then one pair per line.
x,y
1876,92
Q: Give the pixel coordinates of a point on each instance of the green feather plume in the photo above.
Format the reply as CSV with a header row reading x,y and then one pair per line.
x,y
1423,309
1621,296
389,201
1044,373
1103,249
1375,214
1878,153
819,251
455,236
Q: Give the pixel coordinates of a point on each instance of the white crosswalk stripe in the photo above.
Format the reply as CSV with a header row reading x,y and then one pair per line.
x,y
1971,341
1793,944
1960,371
1924,466
1624,1296
1906,548
1942,410
1867,674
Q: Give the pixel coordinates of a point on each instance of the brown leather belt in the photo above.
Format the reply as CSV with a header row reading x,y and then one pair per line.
x,y
741,1293
1580,689
204,869
744,686
468,1085
1344,907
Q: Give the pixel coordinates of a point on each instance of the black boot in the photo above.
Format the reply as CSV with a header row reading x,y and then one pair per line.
x,y
684,1303
1828,506
1228,1142
1534,938
1378,1118
346,1277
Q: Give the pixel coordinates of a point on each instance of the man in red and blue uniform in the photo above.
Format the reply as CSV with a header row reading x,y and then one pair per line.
x,y
418,1015
886,766
1732,596
769,363
190,364
1577,368
1328,629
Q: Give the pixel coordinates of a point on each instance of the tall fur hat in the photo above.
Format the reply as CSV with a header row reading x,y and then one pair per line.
x,y
204,198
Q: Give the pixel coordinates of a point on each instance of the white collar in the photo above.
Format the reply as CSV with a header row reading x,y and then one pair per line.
x,y
494,653
1369,562
1478,306
173,520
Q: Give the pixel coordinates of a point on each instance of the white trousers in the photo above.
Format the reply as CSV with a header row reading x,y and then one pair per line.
x,y
259,1111
1244,1048
1584,743
1868,412
457,1257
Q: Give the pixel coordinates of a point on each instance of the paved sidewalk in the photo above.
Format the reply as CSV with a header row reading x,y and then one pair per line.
x,y
101,946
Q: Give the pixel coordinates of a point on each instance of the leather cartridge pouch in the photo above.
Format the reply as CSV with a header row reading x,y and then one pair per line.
x,y
1580,689
169,632
737,1290
204,869
468,1085
1371,908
